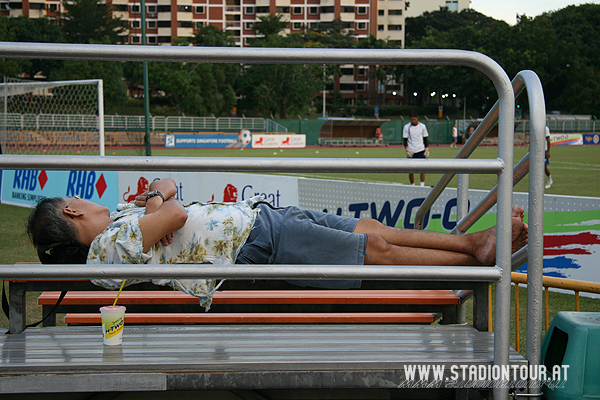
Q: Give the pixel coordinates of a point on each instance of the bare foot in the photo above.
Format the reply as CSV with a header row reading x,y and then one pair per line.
x,y
485,246
485,241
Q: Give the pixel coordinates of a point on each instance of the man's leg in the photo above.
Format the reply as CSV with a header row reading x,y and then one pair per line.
x,y
478,246
422,179
411,178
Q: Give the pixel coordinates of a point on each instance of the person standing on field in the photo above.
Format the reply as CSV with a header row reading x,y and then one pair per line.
x,y
416,142
548,144
454,136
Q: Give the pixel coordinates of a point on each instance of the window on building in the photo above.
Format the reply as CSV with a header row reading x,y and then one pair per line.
x,y
362,72
119,7
36,6
347,9
298,26
151,24
15,6
151,39
249,10
184,8
361,26
381,13
136,40
54,8
282,10
135,24
327,10
394,27
185,24
313,25
394,12
164,39
380,28
248,26
262,10
297,10
452,5
151,9
165,8
135,9
164,24
361,10
199,24
199,9
313,10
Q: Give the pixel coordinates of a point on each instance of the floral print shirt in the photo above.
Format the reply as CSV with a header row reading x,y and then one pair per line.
x,y
213,232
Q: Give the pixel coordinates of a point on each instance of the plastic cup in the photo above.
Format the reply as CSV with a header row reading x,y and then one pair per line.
x,y
113,320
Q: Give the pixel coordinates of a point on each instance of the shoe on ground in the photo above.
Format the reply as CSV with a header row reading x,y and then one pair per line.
x,y
549,184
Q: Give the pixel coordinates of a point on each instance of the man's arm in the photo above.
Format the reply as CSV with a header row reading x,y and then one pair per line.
x,y
162,217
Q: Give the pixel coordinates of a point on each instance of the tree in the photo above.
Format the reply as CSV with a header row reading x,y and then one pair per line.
x,y
90,21
22,29
270,25
111,73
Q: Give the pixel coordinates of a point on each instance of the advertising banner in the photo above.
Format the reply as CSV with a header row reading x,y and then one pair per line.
x,y
27,187
202,141
559,139
206,187
278,141
591,138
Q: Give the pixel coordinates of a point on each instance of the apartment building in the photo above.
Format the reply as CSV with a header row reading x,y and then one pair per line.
x,y
418,7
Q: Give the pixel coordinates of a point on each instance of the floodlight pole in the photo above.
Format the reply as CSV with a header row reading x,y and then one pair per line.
x,y
145,83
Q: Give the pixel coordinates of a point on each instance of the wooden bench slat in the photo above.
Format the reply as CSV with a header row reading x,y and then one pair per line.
x,y
259,297
258,318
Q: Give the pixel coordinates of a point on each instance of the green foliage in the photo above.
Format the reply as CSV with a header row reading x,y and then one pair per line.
x,y
111,73
90,21
22,29
269,25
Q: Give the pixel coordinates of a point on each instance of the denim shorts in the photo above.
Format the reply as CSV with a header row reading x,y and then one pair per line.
x,y
294,236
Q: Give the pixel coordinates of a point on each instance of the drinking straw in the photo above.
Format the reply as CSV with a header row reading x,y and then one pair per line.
x,y
117,298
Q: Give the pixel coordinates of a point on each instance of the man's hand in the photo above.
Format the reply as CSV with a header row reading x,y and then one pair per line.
x,y
409,154
140,200
427,152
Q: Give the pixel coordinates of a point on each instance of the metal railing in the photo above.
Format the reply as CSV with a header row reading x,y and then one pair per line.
x,y
532,163
500,166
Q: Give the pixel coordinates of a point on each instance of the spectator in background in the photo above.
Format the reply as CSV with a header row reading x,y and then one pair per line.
x,y
548,144
416,142
454,136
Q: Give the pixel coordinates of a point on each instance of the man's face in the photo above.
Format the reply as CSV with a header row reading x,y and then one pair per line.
x,y
414,120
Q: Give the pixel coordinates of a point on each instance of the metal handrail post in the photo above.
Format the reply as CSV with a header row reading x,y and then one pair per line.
x,y
506,117
536,218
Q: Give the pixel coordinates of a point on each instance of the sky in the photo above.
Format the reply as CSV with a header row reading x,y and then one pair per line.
x,y
507,10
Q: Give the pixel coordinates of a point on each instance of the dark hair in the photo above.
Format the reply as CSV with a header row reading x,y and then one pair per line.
x,y
413,114
54,237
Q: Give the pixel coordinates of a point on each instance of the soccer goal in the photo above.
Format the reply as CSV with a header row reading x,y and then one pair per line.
x,y
60,117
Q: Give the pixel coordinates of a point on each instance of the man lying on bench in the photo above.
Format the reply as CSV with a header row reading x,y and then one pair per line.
x,y
157,229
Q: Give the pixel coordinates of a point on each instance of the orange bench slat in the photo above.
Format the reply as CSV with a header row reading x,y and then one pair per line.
x,y
258,318
428,297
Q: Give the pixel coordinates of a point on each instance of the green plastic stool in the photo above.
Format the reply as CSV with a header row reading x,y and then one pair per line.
x,y
573,339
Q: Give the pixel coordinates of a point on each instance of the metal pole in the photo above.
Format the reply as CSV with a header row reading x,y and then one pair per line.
x,y
145,83
101,117
536,219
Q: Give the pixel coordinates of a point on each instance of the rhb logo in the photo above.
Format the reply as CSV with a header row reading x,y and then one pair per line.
x,y
83,183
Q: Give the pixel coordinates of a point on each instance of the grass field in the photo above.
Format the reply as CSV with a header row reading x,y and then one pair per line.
x,y
575,171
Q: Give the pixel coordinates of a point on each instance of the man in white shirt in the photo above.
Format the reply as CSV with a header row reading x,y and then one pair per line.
x,y
548,144
416,142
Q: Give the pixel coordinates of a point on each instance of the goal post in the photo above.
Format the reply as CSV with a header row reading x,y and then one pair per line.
x,y
55,117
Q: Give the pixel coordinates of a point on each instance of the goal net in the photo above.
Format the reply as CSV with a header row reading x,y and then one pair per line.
x,y
60,117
